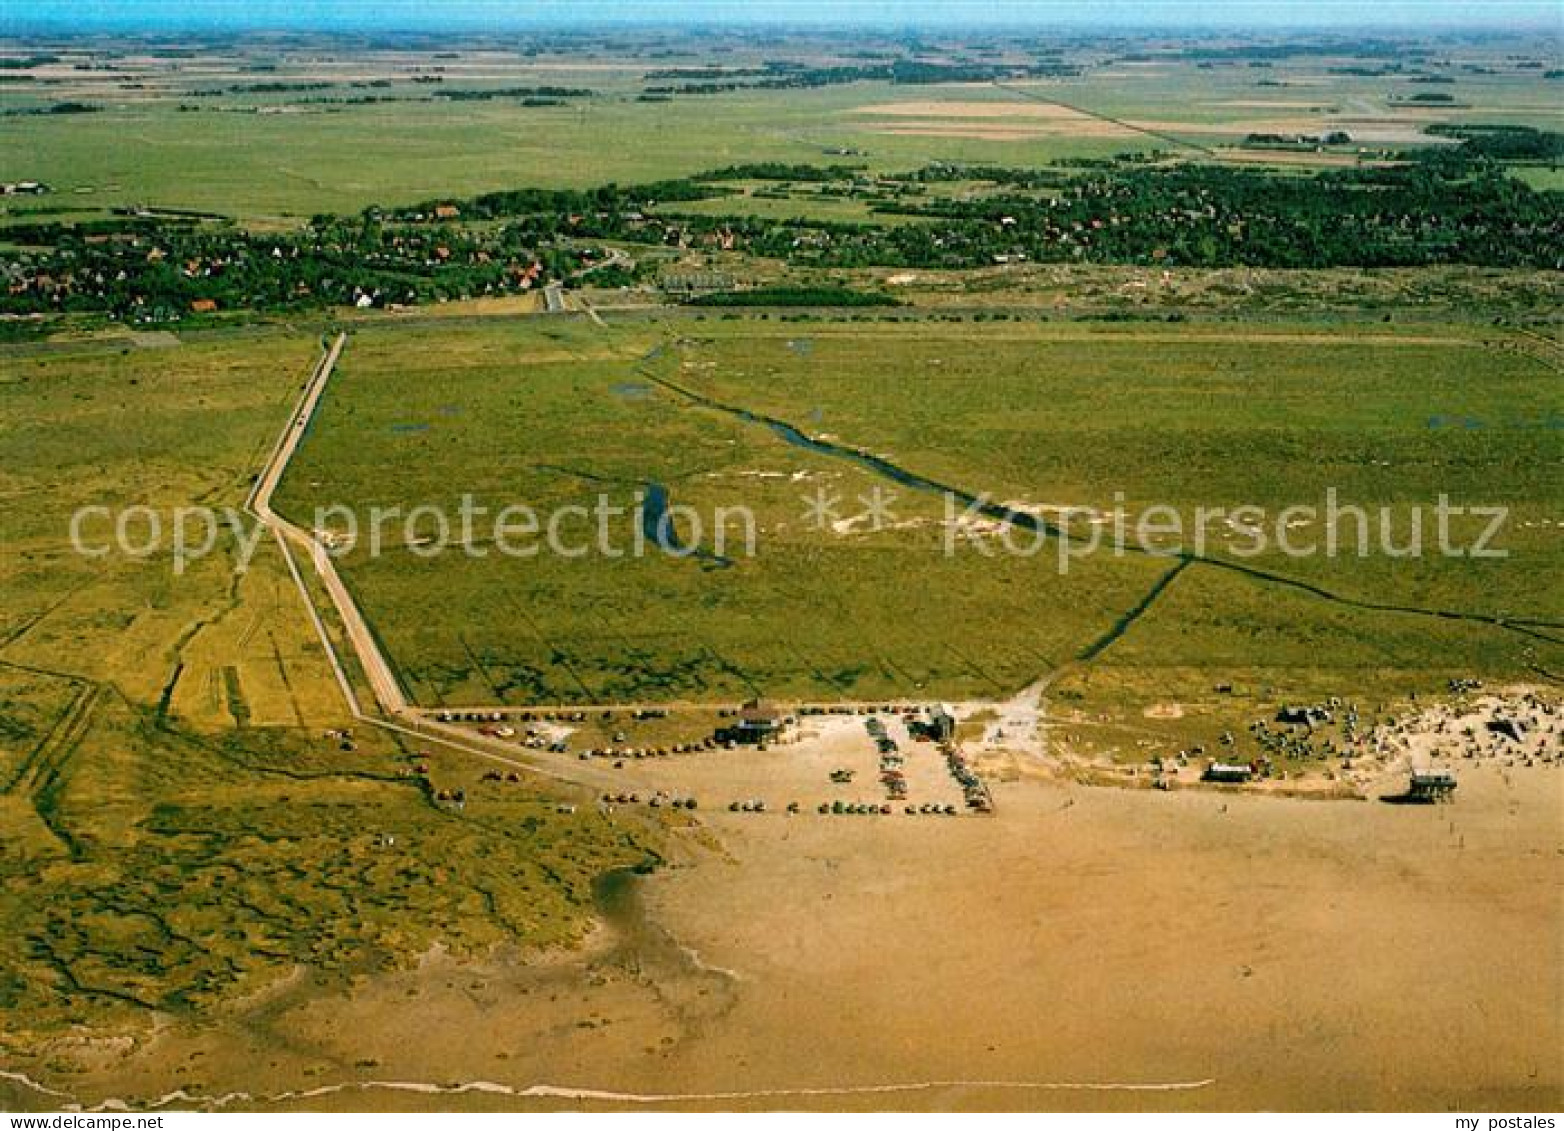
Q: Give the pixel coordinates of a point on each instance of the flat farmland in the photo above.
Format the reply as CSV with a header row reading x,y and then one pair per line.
x,y
914,596
341,133
270,166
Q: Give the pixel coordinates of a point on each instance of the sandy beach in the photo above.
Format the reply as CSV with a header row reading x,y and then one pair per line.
x,y
1085,948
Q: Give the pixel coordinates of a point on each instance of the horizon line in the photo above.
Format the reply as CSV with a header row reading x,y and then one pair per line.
x,y
474,27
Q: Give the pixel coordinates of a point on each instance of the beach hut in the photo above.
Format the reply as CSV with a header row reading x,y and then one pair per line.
x,y
1431,785
756,723
942,724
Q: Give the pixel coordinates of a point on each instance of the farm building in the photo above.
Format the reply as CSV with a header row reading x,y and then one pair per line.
x,y
1227,772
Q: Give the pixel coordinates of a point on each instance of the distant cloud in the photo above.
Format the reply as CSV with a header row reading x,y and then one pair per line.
x,y
499,14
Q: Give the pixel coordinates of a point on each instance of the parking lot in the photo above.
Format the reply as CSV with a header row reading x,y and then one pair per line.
x,y
832,762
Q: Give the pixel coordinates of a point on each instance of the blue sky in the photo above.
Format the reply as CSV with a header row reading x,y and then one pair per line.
x,y
469,14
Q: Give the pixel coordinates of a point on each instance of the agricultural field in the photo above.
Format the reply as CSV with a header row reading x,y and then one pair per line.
x,y
1032,415
274,132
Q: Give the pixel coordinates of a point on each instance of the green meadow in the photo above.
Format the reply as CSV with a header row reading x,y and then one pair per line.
x,y
548,414
290,166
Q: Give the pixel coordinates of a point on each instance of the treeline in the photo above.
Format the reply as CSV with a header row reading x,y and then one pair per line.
x,y
1293,48
27,62
795,296
1450,207
278,87
781,171
781,79
942,172
909,72
1505,143
603,203
56,108
713,74
533,92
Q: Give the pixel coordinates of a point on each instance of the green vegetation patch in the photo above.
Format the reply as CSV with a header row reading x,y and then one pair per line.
x,y
1106,419
166,845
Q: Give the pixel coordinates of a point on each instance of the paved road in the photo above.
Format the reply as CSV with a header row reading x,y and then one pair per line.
x,y
396,713
388,692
